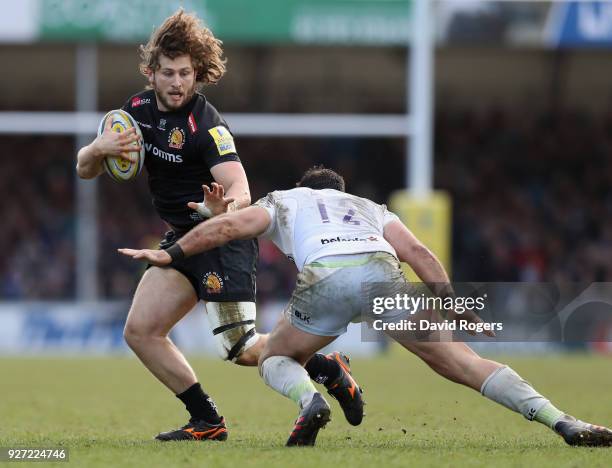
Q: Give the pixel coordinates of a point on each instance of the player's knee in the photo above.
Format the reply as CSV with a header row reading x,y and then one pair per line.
x,y
264,364
131,336
263,356
136,332
233,326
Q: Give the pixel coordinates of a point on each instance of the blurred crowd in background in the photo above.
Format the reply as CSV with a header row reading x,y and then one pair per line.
x,y
531,195
531,201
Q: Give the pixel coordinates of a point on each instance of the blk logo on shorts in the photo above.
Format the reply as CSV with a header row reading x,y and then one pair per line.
x,y
300,316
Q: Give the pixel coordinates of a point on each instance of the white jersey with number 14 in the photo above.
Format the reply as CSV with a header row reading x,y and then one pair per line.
x,y
310,224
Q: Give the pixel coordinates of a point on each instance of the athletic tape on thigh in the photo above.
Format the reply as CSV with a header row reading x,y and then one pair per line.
x,y
233,353
229,326
224,317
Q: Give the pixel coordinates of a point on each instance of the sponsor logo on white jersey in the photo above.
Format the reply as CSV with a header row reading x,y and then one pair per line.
x,y
349,239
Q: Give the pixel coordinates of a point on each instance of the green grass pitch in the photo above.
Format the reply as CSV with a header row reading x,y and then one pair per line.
x,y
106,411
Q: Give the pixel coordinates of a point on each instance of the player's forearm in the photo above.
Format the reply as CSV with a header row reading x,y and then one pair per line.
x,y
208,235
428,268
89,162
241,195
422,260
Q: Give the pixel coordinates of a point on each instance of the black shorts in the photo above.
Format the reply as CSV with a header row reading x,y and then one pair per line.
x,y
224,274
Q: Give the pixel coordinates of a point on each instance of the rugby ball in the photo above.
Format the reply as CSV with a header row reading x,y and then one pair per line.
x,y
121,169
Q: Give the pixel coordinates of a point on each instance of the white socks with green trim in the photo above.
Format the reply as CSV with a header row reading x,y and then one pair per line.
x,y
507,388
504,386
288,378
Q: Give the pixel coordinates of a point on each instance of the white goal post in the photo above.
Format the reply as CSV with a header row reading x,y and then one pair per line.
x,y
251,125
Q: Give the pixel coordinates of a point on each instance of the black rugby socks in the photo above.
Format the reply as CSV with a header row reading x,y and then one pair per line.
x,y
199,404
322,370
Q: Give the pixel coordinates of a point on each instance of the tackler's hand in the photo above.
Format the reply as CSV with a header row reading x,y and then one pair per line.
x,y
154,257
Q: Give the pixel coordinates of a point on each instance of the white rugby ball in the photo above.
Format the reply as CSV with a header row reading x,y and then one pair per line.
x,y
121,169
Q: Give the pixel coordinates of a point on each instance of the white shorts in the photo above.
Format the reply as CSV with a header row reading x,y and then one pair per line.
x,y
336,290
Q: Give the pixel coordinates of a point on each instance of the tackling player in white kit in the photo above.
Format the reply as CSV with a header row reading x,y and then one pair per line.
x,y
339,243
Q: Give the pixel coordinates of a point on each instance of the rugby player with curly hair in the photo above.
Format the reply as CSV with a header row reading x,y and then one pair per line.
x,y
188,145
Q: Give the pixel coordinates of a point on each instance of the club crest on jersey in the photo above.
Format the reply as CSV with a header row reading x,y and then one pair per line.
x,y
213,282
176,139
223,139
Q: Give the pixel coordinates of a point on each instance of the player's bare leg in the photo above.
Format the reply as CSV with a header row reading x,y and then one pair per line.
x,y
236,339
457,362
162,298
453,360
234,332
286,340
281,366
250,357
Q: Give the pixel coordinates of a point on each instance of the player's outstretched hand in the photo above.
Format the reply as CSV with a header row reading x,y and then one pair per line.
x,y
214,202
154,257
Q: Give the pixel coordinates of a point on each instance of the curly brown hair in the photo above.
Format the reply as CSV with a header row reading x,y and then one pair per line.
x,y
180,34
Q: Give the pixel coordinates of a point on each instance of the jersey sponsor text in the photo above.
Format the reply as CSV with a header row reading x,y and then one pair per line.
x,y
138,101
176,158
349,239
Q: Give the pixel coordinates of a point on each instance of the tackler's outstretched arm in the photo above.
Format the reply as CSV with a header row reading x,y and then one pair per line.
x,y
242,224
